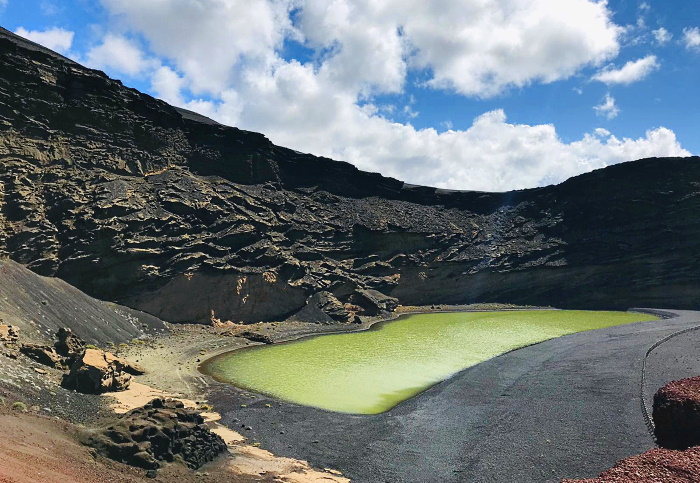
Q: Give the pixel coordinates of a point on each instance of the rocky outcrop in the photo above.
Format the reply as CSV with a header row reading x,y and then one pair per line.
x,y
161,431
676,417
69,345
9,337
92,371
322,308
43,354
256,337
676,414
9,333
96,372
132,200
372,302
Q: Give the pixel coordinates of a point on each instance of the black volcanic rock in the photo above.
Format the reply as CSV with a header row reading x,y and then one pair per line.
x,y
322,308
132,200
161,431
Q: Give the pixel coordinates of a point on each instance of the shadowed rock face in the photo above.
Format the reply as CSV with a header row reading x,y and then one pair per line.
x,y
132,200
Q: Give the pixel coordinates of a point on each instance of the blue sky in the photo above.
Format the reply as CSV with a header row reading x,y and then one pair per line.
x,y
465,94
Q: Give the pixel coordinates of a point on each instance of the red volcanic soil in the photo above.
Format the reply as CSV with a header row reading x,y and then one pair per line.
x,y
684,390
655,466
677,414
38,449
677,421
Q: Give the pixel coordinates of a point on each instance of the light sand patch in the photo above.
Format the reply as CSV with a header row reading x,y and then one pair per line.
x,y
249,460
229,436
246,460
138,395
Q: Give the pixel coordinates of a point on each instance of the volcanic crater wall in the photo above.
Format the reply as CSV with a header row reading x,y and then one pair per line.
x,y
134,201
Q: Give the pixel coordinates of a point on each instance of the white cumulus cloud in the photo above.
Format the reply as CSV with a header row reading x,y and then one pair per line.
x,y
691,37
121,55
662,36
207,39
226,59
632,71
55,38
607,108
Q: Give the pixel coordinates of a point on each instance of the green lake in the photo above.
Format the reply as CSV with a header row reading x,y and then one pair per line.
x,y
372,371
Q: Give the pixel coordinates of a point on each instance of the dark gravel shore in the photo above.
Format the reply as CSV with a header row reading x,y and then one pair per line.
x,y
565,408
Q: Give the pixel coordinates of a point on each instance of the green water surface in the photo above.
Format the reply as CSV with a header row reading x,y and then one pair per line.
x,y
370,372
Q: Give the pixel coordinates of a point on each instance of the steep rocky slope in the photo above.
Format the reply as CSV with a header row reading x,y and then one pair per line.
x,y
132,200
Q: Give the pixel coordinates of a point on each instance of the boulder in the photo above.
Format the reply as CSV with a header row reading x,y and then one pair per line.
x,y
127,366
322,308
162,430
43,354
9,333
676,414
95,372
68,344
256,337
373,302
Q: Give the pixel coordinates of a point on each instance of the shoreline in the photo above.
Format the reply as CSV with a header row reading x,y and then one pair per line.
x,y
375,322
376,325
174,366
516,386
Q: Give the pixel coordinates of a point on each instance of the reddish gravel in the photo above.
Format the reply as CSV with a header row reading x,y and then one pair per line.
x,y
685,390
677,414
655,466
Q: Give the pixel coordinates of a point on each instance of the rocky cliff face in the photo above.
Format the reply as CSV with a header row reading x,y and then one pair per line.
x,y
132,200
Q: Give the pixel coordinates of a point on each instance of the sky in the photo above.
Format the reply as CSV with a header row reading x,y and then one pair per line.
x,y
486,95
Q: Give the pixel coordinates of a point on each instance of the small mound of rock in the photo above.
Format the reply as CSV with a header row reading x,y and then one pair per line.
x,y
69,345
654,466
677,414
161,431
373,302
95,372
322,308
256,337
43,354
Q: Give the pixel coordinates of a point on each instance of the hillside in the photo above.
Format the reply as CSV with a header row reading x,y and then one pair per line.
x,y
40,306
134,201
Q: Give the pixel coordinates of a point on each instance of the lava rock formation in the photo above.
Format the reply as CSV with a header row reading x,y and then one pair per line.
x,y
162,430
132,200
